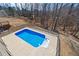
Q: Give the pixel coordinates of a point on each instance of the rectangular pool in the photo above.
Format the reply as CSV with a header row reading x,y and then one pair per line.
x,y
33,38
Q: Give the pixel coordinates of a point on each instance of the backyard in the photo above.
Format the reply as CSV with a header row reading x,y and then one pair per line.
x,y
16,24
55,25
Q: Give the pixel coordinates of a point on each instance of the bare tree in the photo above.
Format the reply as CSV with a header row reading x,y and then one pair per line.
x,y
66,18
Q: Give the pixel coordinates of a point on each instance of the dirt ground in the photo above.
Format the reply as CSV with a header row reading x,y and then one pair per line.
x,y
65,49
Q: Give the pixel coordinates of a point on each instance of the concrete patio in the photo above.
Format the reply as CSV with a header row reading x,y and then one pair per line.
x,y
18,47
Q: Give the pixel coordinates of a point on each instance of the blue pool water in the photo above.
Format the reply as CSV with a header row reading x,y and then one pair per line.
x,y
31,37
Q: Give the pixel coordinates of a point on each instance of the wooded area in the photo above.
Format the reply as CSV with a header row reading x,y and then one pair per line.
x,y
51,16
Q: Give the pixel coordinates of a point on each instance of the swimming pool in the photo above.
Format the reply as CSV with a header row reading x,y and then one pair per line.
x,y
33,38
